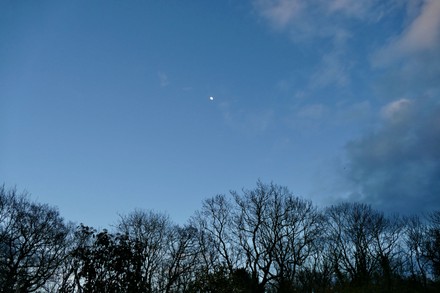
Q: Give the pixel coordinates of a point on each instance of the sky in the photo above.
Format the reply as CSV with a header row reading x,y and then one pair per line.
x,y
105,105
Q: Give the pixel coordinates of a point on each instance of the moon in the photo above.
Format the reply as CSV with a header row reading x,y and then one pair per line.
x,y
211,98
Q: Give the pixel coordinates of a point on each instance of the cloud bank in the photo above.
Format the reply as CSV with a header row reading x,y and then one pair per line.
x,y
397,167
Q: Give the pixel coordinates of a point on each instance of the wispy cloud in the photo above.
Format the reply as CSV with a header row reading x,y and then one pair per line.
x,y
328,23
316,18
333,70
280,13
163,79
249,122
410,61
421,36
306,117
312,111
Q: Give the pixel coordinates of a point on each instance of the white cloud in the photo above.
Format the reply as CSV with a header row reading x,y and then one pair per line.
x,y
424,32
280,12
410,62
420,36
397,111
348,7
308,19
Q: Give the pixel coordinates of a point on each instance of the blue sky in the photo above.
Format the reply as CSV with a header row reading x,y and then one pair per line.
x,y
104,105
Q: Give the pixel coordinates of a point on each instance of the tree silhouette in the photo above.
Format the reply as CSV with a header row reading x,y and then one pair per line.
x,y
265,231
32,242
364,245
258,240
433,243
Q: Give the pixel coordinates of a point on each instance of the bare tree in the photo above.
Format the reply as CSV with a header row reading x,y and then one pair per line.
x,y
216,236
433,242
414,239
253,226
266,232
277,233
150,233
387,248
180,265
32,242
364,243
348,231
299,232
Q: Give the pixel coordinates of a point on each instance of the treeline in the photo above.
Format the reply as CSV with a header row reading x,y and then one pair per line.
x,y
259,240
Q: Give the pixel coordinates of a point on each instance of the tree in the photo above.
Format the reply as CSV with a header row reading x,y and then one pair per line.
x,y
222,281
277,232
180,264
103,262
150,234
216,237
254,228
32,242
364,244
433,243
416,266
165,255
266,232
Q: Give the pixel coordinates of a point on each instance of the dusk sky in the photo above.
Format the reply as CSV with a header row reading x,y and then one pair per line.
x,y
105,105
